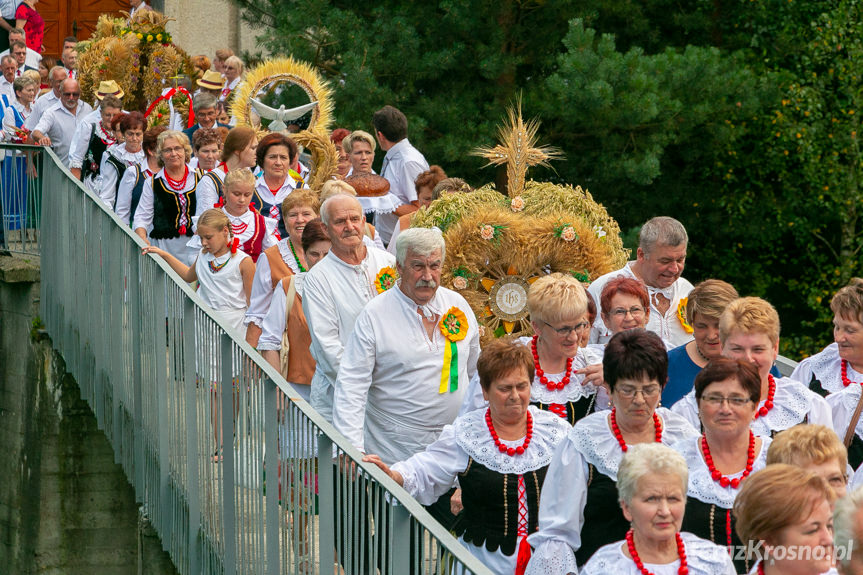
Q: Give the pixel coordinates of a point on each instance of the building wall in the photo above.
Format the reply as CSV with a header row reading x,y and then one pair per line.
x,y
203,26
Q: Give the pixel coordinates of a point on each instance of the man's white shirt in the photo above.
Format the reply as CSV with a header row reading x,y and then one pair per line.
x,y
388,398
667,326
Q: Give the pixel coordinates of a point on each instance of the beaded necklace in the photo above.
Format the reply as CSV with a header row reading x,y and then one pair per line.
x,y
726,481
845,381
540,374
768,403
300,266
177,185
681,553
511,451
657,426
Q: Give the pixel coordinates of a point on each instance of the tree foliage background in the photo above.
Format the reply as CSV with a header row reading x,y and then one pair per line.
x,y
738,117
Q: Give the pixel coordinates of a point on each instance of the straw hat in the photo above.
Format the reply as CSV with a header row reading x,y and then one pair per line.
x,y
109,88
212,80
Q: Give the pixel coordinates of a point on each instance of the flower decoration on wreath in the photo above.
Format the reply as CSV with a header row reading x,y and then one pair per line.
x,y
504,243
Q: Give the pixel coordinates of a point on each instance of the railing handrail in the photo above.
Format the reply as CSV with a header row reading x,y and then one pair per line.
x,y
452,544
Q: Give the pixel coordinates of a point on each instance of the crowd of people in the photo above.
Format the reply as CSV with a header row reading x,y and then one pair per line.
x,y
643,428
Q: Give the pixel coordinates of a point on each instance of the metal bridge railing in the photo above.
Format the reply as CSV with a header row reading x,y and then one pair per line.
x,y
20,198
235,471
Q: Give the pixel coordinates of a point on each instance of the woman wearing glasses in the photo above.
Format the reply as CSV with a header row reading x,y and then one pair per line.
x,y
727,393
625,304
749,331
579,510
558,314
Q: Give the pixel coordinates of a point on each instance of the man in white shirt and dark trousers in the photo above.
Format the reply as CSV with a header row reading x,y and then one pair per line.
x,y
402,164
7,22
57,125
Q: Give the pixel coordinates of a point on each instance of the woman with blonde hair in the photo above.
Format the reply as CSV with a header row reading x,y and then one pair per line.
x,y
785,513
557,304
705,303
749,331
233,72
815,448
839,364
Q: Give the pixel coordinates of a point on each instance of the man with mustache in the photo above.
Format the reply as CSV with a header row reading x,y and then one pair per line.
x,y
409,360
336,290
659,262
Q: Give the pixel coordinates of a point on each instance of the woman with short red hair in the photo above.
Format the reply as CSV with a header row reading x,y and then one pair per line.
x,y
624,304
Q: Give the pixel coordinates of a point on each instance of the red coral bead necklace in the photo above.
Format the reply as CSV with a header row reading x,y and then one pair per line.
x,y
511,451
681,553
657,426
768,403
540,374
177,185
845,381
723,480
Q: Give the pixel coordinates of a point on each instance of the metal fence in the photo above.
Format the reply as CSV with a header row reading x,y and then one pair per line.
x,y
235,471
20,198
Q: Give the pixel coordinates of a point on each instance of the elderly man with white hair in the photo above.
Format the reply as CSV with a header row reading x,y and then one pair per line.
x,y
660,259
336,290
409,359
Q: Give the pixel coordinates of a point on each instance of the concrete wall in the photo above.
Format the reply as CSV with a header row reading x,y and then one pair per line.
x,y
65,506
203,26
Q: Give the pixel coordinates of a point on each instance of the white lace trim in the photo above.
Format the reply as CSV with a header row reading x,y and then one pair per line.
x,y
701,484
847,398
574,391
120,152
791,404
827,367
471,434
702,556
380,204
288,255
593,438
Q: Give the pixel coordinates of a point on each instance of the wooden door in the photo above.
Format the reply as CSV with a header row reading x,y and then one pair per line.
x,y
73,18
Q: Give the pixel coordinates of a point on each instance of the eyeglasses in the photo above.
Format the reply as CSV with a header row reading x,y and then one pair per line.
x,y
733,401
630,392
634,311
174,150
72,94
565,330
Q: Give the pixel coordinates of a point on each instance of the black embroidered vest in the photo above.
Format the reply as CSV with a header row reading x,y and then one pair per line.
x,y
711,522
120,166
490,499
575,410
92,162
604,522
168,208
